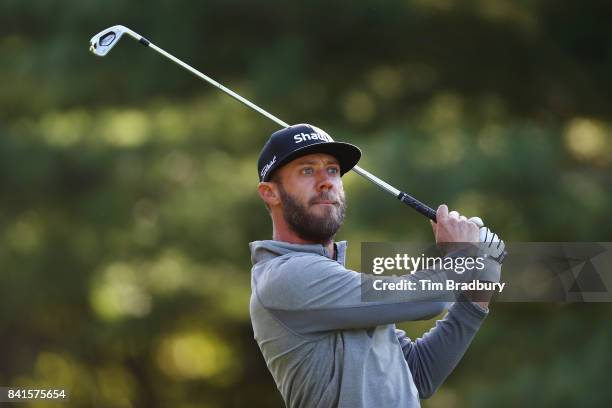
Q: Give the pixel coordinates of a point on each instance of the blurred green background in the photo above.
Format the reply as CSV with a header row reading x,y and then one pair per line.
x,y
127,186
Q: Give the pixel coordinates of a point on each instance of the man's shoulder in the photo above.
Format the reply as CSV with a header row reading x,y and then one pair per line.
x,y
295,275
292,264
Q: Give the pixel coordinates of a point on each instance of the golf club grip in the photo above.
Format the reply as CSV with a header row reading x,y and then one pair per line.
x,y
417,205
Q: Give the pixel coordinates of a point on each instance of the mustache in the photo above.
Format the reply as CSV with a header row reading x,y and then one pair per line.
x,y
336,199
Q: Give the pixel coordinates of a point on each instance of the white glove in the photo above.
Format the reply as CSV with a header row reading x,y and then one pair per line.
x,y
494,246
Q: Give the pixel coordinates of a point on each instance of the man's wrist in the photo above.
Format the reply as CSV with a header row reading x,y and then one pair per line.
x,y
479,297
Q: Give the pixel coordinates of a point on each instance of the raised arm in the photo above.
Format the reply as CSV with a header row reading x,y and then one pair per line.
x,y
311,293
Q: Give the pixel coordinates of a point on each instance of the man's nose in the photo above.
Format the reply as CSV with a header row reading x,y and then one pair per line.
x,y
325,182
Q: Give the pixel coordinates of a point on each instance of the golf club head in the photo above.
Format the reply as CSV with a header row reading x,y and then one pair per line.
x,y
101,43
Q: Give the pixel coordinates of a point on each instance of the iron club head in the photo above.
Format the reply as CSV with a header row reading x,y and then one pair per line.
x,y
101,43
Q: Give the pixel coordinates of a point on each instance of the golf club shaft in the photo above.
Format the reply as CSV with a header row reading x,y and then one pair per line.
x,y
218,85
400,195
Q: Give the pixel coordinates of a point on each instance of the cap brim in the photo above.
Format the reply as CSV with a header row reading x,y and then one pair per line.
x,y
348,155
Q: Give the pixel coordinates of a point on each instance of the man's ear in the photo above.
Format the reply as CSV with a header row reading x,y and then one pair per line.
x,y
268,192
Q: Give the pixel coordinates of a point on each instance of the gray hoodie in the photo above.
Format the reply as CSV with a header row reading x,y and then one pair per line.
x,y
325,347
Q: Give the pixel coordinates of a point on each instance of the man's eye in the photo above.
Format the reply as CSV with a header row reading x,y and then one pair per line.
x,y
333,170
307,170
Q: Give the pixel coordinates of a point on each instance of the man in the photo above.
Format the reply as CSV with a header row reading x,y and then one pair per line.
x,y
324,346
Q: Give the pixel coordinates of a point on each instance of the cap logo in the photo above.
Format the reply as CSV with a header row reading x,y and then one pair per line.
x,y
267,167
301,137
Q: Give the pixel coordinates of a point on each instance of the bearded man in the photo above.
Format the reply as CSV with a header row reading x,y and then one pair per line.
x,y
324,345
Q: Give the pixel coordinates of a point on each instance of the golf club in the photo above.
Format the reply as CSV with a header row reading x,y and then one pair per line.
x,y
105,40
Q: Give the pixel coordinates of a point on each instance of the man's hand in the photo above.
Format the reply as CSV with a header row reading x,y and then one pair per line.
x,y
453,227
494,246
491,243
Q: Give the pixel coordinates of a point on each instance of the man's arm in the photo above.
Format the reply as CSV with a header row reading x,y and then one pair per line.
x,y
312,293
433,357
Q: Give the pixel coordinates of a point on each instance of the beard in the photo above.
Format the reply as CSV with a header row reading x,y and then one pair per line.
x,y
308,225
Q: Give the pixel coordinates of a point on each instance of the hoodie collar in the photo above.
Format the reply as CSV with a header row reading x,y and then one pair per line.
x,y
262,251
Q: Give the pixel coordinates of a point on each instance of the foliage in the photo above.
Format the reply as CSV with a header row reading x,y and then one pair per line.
x,y
128,187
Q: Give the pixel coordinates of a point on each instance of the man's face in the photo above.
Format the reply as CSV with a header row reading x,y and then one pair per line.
x,y
312,196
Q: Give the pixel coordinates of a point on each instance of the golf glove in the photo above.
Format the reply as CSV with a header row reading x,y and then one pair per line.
x,y
493,246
